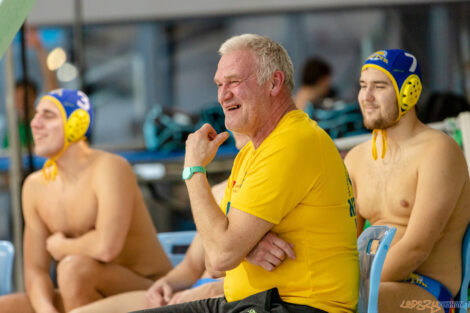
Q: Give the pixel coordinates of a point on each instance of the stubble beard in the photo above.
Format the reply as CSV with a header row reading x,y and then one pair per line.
x,y
380,123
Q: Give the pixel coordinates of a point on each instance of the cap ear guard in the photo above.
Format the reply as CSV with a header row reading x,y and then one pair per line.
x,y
77,125
409,93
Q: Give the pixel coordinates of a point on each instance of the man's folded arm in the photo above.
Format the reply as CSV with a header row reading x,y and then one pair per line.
x,y
227,239
112,182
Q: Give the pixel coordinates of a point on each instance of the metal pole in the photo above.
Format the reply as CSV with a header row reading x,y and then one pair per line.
x,y
79,51
15,170
78,47
26,100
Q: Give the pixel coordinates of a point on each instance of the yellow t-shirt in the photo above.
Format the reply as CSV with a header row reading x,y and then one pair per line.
x,y
296,180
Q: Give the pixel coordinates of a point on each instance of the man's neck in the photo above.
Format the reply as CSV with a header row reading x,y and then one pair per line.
x,y
404,129
71,162
281,107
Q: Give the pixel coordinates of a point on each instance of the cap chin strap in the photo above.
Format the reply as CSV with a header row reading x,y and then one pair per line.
x,y
375,132
50,170
383,133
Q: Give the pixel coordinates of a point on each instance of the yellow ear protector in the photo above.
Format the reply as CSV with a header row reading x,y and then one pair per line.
x,y
409,94
407,99
77,125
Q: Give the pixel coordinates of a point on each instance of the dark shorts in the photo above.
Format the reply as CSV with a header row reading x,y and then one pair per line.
x,y
264,302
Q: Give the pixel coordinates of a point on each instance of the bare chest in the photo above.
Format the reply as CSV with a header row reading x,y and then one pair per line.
x,y
70,209
385,191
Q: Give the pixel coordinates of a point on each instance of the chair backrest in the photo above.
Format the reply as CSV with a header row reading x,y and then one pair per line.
x,y
371,264
465,270
175,244
7,254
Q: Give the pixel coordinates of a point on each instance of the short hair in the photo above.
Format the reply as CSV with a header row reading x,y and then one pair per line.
x,y
314,70
28,84
271,56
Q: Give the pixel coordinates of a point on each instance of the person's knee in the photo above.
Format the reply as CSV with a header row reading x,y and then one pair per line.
x,y
76,271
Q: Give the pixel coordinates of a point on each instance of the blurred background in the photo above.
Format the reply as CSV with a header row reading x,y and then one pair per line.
x,y
148,68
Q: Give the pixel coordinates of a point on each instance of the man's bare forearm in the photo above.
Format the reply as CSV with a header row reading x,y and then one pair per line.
x,y
226,239
92,245
215,289
211,223
40,291
50,80
181,277
401,261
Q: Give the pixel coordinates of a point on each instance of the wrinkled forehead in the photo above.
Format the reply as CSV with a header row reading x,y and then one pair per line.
x,y
236,63
370,74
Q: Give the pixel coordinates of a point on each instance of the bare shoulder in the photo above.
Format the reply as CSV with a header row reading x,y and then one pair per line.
x,y
436,147
109,161
33,183
355,156
33,190
111,166
435,141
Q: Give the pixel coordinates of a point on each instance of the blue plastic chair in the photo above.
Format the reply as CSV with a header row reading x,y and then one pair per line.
x,y
371,265
175,244
7,254
465,270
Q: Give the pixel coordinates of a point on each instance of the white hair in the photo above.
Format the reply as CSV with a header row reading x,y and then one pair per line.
x,y
271,56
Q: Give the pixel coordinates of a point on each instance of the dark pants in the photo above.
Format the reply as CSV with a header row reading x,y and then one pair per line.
x,y
264,302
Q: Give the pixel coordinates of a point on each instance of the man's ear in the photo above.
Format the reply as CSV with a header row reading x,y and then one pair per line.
x,y
277,81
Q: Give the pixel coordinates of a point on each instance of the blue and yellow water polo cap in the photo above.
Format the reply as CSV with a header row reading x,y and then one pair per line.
x,y
403,70
77,115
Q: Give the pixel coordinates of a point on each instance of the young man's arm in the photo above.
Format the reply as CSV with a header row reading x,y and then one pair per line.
x,y
269,252
36,259
349,161
208,290
50,78
441,176
183,276
115,187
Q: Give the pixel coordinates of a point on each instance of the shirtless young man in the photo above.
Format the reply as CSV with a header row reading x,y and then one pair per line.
x,y
418,184
85,211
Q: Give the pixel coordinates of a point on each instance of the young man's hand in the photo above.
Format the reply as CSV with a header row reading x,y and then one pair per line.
x,y
54,245
159,294
210,290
